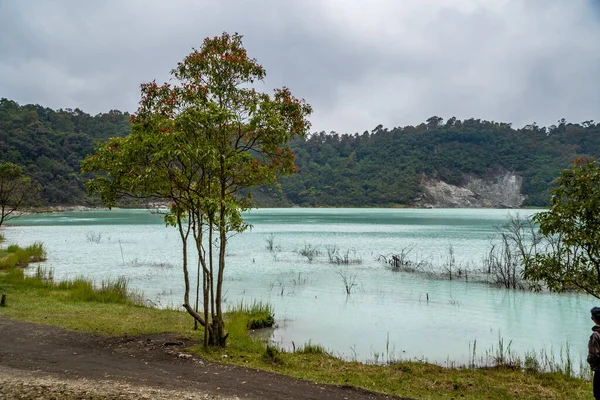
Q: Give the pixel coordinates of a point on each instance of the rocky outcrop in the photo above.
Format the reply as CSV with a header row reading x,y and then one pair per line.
x,y
498,189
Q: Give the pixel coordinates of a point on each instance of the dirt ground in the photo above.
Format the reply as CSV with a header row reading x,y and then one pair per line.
x,y
45,362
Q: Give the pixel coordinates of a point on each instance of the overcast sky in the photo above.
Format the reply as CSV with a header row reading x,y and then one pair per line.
x,y
358,63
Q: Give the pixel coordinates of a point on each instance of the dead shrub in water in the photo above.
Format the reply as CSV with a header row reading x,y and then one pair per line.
x,y
348,279
309,251
271,246
349,257
400,262
507,258
93,237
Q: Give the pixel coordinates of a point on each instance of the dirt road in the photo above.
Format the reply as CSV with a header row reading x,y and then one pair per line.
x,y
39,361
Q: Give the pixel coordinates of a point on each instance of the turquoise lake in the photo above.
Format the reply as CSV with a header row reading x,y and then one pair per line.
x,y
388,315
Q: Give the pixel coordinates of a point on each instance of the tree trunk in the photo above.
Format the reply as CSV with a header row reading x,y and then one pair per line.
x,y
186,296
219,325
198,237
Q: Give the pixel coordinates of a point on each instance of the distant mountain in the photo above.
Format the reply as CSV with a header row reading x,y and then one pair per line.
x,y
380,168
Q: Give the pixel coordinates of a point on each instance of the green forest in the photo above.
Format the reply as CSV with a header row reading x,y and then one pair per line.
x,y
378,168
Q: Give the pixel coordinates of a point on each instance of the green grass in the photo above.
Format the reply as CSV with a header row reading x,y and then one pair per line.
x,y
109,309
258,314
408,379
80,306
15,256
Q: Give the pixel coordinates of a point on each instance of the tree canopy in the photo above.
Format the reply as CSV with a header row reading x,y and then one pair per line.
x,y
572,223
16,191
198,142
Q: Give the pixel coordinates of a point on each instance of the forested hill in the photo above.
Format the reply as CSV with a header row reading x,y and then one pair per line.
x,y
50,145
385,167
378,168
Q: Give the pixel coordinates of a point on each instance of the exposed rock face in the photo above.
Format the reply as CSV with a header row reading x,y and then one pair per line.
x,y
499,189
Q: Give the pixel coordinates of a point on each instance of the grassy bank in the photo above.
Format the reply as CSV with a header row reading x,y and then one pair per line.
x,y
15,256
109,308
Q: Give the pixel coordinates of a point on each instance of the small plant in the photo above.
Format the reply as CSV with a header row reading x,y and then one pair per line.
x,y
348,279
299,280
93,237
503,356
271,246
399,261
472,354
349,257
44,274
280,285
272,355
531,363
36,252
332,252
310,348
450,261
260,315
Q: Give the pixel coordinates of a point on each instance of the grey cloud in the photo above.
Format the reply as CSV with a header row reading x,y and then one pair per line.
x,y
358,63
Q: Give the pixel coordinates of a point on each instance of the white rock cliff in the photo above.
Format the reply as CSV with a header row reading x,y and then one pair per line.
x,y
499,189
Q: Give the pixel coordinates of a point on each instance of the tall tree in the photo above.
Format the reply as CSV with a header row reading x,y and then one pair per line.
x,y
572,224
199,143
16,191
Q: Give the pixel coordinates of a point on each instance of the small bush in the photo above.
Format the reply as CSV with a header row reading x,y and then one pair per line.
x,y
309,251
44,274
272,355
349,257
22,257
532,364
16,277
13,276
93,237
19,257
36,252
10,261
265,322
259,315
310,348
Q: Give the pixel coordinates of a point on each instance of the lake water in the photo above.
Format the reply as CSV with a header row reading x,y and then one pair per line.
x,y
387,312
